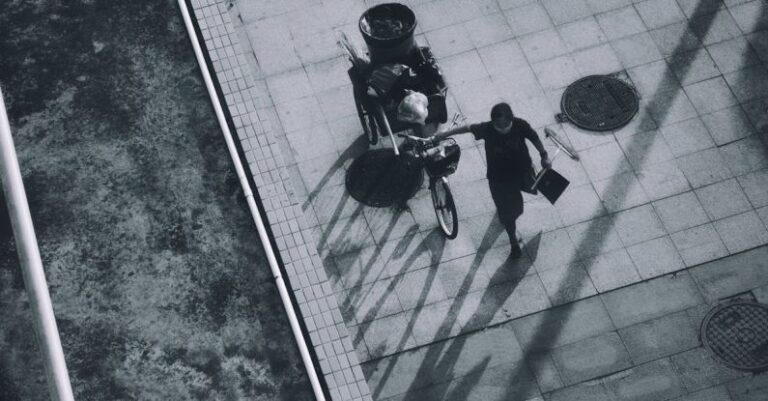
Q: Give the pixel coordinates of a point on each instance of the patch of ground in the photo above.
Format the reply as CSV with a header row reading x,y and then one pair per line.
x,y
157,275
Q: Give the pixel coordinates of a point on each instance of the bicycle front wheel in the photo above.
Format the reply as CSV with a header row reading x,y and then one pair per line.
x,y
445,208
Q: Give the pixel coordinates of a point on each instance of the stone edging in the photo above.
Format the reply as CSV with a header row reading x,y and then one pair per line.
x,y
317,304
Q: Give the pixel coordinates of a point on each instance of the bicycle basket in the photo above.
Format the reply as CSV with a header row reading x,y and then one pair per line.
x,y
445,161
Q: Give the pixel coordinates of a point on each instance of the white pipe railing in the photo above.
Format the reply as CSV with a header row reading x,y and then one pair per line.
x,y
263,236
31,265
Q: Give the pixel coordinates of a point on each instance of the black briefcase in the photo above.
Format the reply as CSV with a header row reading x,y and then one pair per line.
x,y
551,184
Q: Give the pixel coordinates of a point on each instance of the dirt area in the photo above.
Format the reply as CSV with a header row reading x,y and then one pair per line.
x,y
156,273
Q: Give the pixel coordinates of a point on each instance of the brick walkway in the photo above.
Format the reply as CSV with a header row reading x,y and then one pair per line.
x,y
608,270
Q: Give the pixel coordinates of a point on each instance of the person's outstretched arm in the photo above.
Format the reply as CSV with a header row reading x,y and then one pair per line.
x,y
462,129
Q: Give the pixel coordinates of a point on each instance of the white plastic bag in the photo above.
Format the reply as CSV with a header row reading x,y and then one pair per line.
x,y
413,108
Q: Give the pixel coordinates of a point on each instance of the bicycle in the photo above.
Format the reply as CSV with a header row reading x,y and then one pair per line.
x,y
439,159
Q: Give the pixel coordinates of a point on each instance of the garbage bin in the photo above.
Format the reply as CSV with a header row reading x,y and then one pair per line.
x,y
388,31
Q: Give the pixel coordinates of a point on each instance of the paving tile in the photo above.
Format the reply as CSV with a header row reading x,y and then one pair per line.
x,y
733,275
300,113
693,66
748,83
742,231
488,29
660,337
539,216
345,235
434,322
750,16
620,192
670,107
579,204
589,391
659,13
564,13
333,203
500,57
688,136
556,73
699,7
653,78
289,85
462,275
755,185
751,388
600,59
645,149
418,288
699,244
704,168
310,143
723,199
494,383
728,125
733,55
371,301
699,370
336,104
656,257
745,155
591,357
611,270
582,33
636,50
543,368
662,180
463,68
389,224
562,325
638,225
542,45
651,299
527,19
450,40
600,6
393,375
620,22
384,336
763,213
681,212
518,299
719,393
594,237
715,27
555,249
582,139
567,283
675,38
710,95
604,161
656,380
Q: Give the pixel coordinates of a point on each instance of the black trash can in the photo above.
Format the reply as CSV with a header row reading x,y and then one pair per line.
x,y
388,31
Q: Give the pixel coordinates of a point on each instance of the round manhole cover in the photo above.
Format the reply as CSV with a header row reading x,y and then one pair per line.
x,y
378,178
737,333
599,103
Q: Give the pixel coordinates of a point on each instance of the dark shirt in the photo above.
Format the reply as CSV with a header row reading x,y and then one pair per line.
x,y
506,154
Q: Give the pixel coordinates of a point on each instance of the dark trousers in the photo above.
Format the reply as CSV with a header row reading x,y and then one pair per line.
x,y
509,205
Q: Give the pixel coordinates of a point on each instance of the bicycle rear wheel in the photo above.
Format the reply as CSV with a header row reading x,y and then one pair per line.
x,y
445,208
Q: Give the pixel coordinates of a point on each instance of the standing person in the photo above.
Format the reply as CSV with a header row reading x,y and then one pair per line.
x,y
510,169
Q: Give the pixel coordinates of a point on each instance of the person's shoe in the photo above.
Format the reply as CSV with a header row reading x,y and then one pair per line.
x,y
517,253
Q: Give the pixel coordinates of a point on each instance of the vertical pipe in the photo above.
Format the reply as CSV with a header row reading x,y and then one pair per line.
x,y
249,197
31,265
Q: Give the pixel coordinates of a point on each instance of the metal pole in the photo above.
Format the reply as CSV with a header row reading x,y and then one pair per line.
x,y
31,265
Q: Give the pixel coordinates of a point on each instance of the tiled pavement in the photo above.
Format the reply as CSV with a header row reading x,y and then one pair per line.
x,y
685,183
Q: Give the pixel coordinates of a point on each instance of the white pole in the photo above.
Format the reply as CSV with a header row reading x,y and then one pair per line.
x,y
282,289
31,265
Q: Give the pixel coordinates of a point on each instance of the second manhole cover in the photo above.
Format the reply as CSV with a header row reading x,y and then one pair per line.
x,y
737,333
378,178
599,103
